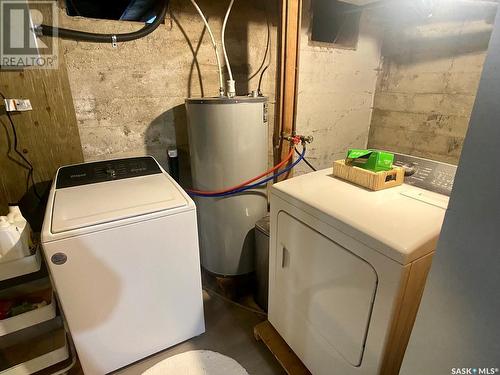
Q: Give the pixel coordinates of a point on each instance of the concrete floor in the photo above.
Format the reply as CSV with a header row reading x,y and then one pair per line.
x,y
229,331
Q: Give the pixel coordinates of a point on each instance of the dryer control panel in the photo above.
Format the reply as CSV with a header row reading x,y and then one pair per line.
x,y
427,174
107,170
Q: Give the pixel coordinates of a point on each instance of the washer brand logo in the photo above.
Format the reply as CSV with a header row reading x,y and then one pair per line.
x,y
59,258
475,371
20,46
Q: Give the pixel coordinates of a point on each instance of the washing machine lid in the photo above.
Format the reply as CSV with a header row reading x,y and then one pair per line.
x,y
403,222
86,204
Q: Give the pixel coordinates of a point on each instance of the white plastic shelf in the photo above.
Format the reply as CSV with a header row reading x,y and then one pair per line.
x,y
48,346
28,319
33,317
22,266
39,363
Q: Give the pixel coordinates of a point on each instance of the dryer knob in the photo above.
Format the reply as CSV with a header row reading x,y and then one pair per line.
x,y
111,172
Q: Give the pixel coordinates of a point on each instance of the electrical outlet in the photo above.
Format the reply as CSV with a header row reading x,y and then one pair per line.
x,y
17,105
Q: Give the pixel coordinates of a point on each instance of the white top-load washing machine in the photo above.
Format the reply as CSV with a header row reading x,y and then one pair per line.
x,y
348,265
120,238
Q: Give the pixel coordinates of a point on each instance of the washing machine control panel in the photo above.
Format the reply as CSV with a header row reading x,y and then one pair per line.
x,y
107,170
427,174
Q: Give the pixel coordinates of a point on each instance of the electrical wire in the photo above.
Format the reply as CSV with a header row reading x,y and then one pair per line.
x,y
221,80
279,165
148,28
268,50
260,79
265,57
258,184
28,166
307,162
228,65
31,169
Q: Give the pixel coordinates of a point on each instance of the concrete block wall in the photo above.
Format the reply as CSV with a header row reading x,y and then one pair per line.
x,y
129,100
430,74
336,89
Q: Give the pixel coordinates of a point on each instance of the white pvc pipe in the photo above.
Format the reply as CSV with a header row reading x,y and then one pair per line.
x,y
231,85
221,80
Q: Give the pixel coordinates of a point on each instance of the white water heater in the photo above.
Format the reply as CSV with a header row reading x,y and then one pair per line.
x,y
228,143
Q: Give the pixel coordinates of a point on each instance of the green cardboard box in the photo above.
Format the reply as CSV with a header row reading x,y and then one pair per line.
x,y
372,160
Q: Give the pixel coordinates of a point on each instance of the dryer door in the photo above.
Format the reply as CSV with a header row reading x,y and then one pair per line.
x,y
322,289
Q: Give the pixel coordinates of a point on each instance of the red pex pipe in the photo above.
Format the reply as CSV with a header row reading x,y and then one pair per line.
x,y
277,166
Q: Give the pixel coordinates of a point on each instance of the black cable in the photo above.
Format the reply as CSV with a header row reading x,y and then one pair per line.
x,y
268,50
29,166
48,30
260,78
31,169
307,162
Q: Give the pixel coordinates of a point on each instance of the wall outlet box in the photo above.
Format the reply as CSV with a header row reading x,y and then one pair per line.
x,y
17,105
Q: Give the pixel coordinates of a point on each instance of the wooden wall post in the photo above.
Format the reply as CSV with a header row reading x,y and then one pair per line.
x,y
286,103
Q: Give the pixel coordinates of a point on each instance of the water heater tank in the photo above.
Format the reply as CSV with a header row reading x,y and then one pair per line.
x,y
228,139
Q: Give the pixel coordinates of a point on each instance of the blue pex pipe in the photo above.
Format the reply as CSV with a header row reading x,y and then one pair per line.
x,y
257,184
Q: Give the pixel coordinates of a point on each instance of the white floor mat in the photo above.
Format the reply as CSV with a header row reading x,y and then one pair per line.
x,y
197,362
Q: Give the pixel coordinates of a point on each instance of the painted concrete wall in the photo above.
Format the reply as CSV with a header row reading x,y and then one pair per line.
x,y
130,100
336,88
430,74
